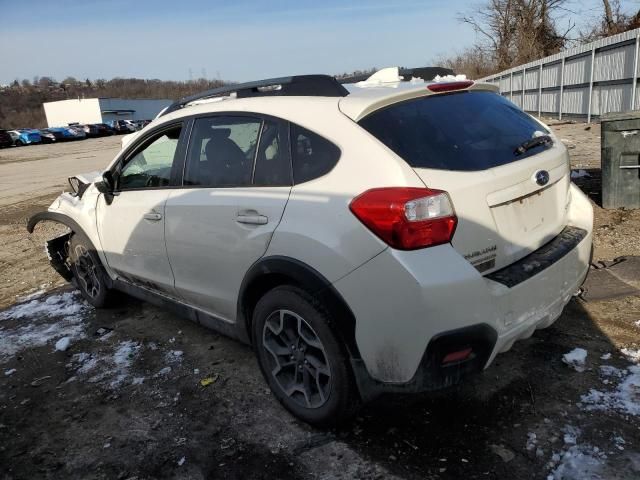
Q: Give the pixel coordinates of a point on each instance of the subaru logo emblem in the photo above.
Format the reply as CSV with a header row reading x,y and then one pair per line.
x,y
541,177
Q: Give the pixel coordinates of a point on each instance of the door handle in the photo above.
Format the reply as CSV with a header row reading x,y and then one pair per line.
x,y
153,216
252,219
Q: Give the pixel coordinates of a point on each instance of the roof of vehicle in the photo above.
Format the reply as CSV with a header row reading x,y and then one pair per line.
x,y
355,101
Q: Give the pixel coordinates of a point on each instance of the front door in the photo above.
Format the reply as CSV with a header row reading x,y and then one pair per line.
x,y
131,227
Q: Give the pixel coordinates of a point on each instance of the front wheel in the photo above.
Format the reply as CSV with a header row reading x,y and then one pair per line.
x,y
88,274
19,143
302,360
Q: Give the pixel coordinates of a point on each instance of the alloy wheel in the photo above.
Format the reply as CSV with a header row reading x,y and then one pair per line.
x,y
87,272
299,363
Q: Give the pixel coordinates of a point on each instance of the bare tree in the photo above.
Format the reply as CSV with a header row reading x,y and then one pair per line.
x,y
612,20
518,31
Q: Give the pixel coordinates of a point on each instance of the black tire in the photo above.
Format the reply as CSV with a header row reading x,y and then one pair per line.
x,y
331,405
19,143
89,275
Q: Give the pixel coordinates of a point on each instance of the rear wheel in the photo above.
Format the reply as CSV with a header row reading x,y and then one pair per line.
x,y
19,143
88,274
303,361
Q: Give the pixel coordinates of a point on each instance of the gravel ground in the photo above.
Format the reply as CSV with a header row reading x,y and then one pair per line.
x,y
126,398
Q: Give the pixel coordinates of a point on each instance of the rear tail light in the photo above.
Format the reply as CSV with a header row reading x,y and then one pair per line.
x,y
449,86
407,218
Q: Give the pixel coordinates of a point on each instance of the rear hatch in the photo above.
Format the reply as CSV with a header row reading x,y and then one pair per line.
x,y
508,203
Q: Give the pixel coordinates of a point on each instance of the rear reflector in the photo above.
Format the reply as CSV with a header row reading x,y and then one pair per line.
x,y
407,218
458,356
449,86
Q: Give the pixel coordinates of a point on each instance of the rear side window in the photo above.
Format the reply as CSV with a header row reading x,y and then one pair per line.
x,y
464,131
273,167
312,155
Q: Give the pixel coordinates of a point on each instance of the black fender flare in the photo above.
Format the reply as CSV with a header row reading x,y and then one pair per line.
x,y
295,272
59,218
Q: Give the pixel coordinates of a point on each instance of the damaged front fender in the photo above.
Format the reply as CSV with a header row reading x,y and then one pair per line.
x,y
57,248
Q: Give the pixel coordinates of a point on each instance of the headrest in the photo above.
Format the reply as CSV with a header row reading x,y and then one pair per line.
x,y
220,133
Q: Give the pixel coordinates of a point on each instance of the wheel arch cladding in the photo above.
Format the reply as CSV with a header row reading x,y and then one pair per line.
x,y
270,272
52,245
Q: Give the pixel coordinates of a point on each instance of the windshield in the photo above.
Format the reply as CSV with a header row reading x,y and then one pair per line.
x,y
459,131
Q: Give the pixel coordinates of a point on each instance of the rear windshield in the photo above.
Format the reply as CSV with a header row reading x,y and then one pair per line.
x,y
458,131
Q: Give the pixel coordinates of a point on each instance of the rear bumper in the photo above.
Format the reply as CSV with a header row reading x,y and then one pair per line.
x,y
404,301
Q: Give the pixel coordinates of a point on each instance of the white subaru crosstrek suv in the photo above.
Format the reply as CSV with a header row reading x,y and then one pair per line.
x,y
369,239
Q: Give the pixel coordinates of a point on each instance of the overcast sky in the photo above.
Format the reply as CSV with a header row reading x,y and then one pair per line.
x,y
232,40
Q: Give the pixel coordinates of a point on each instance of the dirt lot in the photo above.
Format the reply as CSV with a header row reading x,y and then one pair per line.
x,y
126,399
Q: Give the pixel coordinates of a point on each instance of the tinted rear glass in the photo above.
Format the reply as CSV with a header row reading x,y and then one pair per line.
x,y
457,131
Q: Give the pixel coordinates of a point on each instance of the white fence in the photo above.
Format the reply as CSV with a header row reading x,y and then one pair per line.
x,y
588,80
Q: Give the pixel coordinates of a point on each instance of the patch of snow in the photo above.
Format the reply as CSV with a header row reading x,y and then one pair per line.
x,y
67,308
106,336
173,356
579,462
122,359
637,323
137,381
625,398
449,78
181,461
60,305
633,355
576,358
30,296
532,441
605,356
10,372
63,344
111,367
611,371
571,434
164,371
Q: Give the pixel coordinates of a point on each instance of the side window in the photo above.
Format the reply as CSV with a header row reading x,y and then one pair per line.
x,y
150,165
273,167
222,151
312,155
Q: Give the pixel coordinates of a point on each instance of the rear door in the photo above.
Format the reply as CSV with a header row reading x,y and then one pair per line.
x,y
508,203
236,184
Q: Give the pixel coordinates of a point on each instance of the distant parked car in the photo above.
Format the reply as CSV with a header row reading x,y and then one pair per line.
x,y
47,136
134,125
25,136
62,133
76,132
89,129
104,129
58,133
5,139
121,126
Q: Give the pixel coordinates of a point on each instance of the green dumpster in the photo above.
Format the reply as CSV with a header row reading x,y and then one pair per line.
x,y
620,137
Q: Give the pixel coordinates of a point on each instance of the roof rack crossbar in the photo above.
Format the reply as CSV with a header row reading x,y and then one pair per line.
x,y
298,85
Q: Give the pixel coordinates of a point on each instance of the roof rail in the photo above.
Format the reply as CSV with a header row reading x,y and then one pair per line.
x,y
298,85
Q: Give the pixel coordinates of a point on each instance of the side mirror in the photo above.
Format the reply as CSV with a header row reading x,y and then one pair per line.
x,y
108,180
106,186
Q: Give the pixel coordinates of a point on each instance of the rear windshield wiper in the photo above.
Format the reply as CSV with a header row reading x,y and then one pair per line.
x,y
534,142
